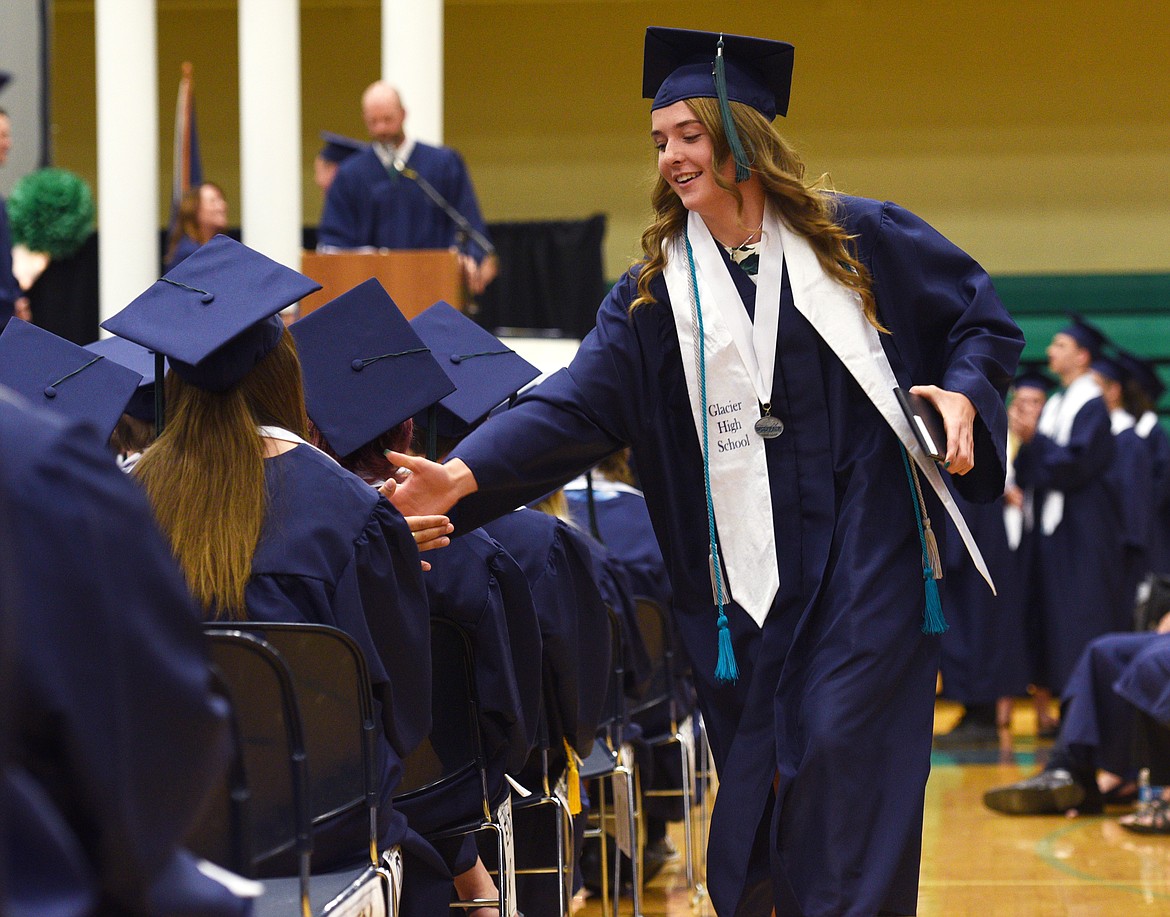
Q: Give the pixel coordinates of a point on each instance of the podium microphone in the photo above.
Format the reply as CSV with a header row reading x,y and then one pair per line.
x,y
443,204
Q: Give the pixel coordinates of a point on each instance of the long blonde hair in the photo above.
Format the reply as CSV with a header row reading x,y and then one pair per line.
x,y
205,474
805,207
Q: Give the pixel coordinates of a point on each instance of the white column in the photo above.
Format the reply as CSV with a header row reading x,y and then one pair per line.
x,y
127,139
270,128
412,60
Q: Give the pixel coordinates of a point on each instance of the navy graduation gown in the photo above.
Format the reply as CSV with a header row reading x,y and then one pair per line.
x,y
1079,567
1145,682
836,691
333,551
1158,443
1131,476
368,206
574,624
984,655
115,738
9,289
624,526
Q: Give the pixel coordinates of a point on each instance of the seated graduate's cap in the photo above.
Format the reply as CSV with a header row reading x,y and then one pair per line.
x,y
680,64
1110,368
60,376
1143,373
486,372
140,360
1033,378
214,315
1086,335
338,147
365,368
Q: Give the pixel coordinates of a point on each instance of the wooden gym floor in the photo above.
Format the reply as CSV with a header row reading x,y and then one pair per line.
x,y
975,861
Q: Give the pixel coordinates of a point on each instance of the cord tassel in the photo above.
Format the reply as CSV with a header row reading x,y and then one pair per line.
x,y
726,670
742,169
933,622
572,780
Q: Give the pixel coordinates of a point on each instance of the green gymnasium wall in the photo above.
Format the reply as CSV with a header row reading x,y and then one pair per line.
x,y
1034,134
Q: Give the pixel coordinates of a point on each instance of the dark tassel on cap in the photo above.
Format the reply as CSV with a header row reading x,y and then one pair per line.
x,y
742,169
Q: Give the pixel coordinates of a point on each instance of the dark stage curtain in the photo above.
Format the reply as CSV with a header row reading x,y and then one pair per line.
x,y
551,276
64,299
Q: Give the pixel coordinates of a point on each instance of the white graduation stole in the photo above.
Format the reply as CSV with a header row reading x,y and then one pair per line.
x,y
739,468
1056,422
735,360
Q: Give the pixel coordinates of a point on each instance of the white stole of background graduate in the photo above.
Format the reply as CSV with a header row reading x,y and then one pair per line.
x,y
835,312
735,351
1015,518
1056,422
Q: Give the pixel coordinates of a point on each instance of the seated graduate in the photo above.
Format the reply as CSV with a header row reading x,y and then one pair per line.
x,y
571,612
135,430
366,372
1145,683
1092,763
265,526
607,503
112,736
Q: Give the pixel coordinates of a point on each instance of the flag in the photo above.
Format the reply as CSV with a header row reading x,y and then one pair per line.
x,y
187,164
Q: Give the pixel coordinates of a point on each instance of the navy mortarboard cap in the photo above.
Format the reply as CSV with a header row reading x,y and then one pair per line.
x,y
339,148
1143,373
1033,378
138,358
683,64
1086,335
365,368
62,377
485,371
214,315
1110,368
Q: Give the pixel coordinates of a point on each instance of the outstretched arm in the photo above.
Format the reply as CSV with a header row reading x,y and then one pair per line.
x,y
429,488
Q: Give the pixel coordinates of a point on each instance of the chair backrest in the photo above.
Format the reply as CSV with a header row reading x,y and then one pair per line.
x,y
333,692
613,712
271,745
657,635
454,745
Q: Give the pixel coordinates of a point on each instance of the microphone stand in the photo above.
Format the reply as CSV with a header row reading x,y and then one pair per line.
x,y
443,204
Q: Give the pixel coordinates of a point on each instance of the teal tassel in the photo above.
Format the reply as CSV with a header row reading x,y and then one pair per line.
x,y
742,167
933,621
726,670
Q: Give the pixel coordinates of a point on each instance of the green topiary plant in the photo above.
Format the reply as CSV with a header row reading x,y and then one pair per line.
x,y
51,211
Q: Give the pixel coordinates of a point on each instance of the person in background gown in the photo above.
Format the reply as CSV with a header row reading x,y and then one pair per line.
x,y
1061,467
203,214
985,663
804,615
265,526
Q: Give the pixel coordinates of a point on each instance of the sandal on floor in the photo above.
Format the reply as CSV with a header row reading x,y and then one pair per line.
x,y
1124,794
1152,818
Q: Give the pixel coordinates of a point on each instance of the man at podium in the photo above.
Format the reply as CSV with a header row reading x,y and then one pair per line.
x,y
399,193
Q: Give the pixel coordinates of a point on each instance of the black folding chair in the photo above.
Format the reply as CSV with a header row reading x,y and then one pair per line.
x,y
612,761
272,805
445,789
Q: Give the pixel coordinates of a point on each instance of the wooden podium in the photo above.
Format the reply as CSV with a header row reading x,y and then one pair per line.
x,y
415,279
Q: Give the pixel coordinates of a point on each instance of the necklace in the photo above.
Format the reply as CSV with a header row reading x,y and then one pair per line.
x,y
748,240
